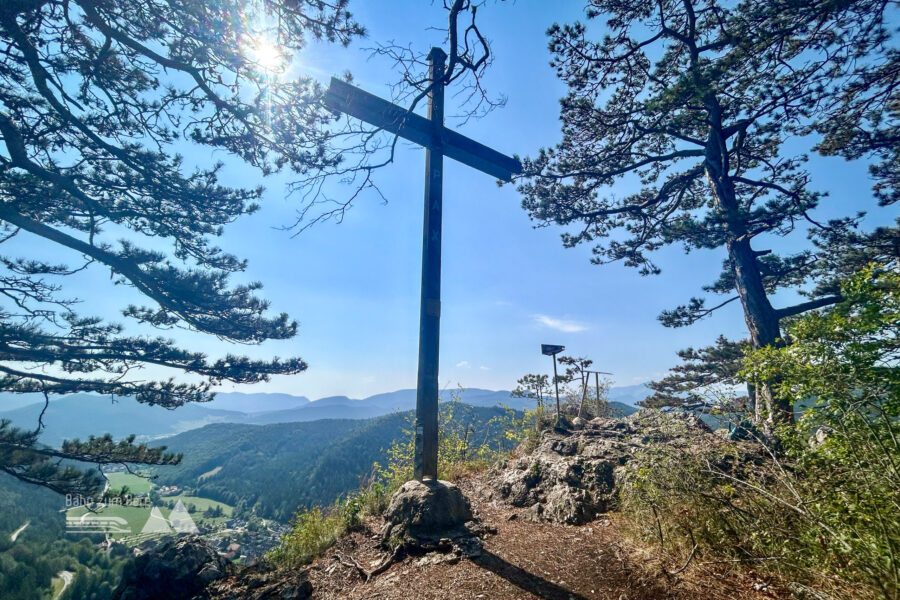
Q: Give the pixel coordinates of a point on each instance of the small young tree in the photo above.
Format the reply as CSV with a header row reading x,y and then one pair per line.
x,y
532,386
576,369
702,373
576,372
692,101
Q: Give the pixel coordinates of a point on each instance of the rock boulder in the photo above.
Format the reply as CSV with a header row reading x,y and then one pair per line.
x,y
423,511
179,569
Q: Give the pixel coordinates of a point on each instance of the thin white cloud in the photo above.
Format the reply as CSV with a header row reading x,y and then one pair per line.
x,y
484,368
563,325
463,364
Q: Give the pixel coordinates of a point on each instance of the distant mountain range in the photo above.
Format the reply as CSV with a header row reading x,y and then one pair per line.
x,y
256,403
81,415
629,394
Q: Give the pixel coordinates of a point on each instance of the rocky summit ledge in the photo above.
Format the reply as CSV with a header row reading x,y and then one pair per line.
x,y
179,569
188,568
571,477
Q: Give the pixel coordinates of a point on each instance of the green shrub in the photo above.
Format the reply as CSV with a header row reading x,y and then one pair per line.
x,y
825,509
313,531
373,496
458,452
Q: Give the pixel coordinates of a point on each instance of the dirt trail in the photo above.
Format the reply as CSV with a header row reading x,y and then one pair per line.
x,y
15,534
527,560
67,577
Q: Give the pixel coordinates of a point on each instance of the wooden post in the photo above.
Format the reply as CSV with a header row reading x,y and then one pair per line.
x,y
597,375
556,383
585,380
426,443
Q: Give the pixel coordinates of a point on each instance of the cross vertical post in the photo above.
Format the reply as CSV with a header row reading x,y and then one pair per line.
x,y
438,142
426,442
585,382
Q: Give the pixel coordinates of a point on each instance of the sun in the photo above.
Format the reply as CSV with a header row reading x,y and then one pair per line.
x,y
266,54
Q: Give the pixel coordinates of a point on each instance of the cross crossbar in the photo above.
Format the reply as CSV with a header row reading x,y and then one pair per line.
x,y
346,98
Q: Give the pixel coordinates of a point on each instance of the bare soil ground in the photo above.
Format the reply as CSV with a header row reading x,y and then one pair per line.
x,y
529,560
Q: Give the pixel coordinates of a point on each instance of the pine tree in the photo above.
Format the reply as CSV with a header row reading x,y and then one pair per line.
x,y
95,98
693,101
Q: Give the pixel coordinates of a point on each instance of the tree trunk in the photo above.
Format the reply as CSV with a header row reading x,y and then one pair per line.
x,y
760,316
752,396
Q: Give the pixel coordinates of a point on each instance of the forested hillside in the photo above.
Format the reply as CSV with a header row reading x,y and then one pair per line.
x,y
34,549
274,469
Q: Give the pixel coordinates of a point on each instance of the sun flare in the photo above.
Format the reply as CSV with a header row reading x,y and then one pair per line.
x,y
266,53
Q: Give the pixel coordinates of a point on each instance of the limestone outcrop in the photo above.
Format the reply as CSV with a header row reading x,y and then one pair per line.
x,y
572,477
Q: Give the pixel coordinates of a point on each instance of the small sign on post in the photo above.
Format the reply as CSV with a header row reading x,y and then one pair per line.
x,y
550,350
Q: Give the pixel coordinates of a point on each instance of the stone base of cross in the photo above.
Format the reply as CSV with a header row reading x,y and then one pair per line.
x,y
438,142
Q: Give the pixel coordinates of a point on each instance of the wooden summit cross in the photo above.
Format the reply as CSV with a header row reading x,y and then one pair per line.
x,y
438,142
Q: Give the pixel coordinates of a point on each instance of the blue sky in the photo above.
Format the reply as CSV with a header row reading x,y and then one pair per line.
x,y
507,288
